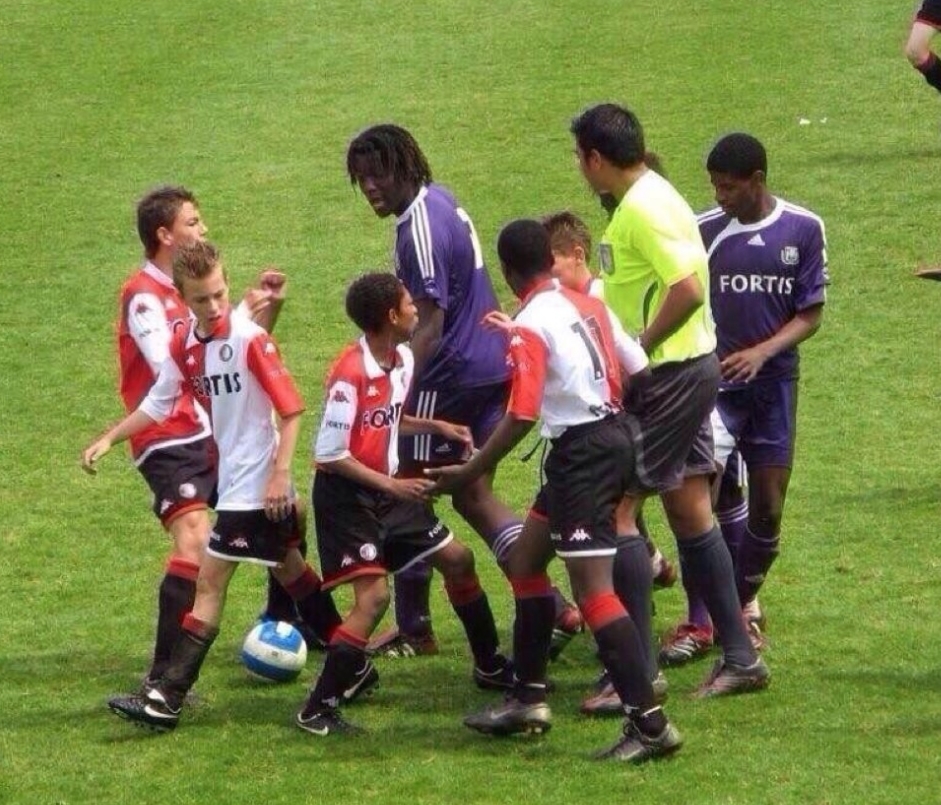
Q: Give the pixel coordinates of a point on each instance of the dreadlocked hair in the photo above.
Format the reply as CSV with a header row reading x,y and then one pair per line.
x,y
389,151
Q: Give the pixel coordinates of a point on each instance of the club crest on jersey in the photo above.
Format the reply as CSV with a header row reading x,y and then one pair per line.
x,y
187,491
226,352
606,258
790,255
368,552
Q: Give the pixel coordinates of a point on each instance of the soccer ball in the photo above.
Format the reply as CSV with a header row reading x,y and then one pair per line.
x,y
275,651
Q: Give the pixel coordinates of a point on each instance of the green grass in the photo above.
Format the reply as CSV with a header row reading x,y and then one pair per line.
x,y
252,105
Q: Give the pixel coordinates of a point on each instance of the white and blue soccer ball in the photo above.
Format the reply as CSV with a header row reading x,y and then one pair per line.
x,y
275,651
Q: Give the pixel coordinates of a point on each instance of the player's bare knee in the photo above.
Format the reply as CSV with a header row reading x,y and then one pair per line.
x,y
190,534
455,562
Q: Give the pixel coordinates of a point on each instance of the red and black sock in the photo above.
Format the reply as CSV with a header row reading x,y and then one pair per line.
x,y
314,604
930,68
472,607
175,598
195,639
532,633
345,657
633,584
621,653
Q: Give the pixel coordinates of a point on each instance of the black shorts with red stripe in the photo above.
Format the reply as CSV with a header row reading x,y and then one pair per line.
x,y
182,478
362,531
249,536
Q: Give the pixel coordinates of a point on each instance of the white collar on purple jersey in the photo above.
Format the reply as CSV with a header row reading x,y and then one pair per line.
x,y
423,191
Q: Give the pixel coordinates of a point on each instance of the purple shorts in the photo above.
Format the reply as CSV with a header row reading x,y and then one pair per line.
x,y
762,418
480,408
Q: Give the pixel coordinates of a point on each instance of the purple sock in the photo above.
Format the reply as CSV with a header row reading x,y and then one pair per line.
x,y
412,600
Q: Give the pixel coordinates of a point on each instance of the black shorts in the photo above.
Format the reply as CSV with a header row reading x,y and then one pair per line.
x,y
249,536
182,478
588,470
668,416
930,13
361,531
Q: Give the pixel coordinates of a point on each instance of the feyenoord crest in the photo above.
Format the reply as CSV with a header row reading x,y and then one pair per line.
x,y
790,256
606,258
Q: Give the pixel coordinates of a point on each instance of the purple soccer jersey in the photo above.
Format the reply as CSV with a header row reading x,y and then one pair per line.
x,y
761,275
438,257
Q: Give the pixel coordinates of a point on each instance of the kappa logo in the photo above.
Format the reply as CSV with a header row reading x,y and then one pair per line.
x,y
756,240
516,340
141,309
790,255
579,535
190,360
339,396
346,561
372,391
555,536
270,348
239,542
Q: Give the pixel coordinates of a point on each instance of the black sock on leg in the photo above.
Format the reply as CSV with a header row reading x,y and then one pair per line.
x,y
706,560
175,598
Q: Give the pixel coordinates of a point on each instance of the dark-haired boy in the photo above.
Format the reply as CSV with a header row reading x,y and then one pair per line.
x,y
231,367
768,278
567,352
369,521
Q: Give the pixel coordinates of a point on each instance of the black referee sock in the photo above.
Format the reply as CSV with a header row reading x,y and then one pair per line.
x,y
707,563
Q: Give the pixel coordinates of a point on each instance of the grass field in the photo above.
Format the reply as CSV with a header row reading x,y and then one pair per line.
x,y
251,105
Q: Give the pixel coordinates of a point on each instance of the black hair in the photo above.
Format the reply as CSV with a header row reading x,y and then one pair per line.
x,y
370,297
159,209
524,248
613,131
739,155
389,150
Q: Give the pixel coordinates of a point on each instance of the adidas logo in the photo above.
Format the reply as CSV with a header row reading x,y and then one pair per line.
x,y
756,240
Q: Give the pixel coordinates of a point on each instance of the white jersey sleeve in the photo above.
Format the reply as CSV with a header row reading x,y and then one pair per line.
x,y
166,390
337,423
148,326
631,355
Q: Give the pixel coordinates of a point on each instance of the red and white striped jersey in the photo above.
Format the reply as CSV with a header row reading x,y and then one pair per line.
x,y
151,311
363,408
566,351
238,376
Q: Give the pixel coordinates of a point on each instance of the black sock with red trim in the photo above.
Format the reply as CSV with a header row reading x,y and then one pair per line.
x,y
174,599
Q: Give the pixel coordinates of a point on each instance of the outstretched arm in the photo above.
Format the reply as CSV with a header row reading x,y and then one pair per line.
x,y
132,424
